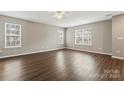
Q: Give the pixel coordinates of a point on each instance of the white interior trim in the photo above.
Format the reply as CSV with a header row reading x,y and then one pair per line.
x,y
58,49
89,51
118,57
31,53
20,35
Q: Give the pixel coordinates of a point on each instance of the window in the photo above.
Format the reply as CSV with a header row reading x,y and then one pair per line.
x,y
78,37
12,35
60,37
83,37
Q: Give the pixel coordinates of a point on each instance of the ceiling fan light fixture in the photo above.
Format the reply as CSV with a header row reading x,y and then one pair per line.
x,y
60,14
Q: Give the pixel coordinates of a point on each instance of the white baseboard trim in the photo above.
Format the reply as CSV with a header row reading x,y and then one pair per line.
x,y
118,57
31,53
89,51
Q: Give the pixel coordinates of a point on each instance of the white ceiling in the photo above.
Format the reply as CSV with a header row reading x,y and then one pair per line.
x,y
73,18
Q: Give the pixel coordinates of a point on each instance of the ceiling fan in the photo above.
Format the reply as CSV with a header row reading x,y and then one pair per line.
x,y
60,14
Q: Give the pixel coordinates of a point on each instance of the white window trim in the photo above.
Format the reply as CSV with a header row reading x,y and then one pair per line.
x,y
76,37
82,43
61,43
5,25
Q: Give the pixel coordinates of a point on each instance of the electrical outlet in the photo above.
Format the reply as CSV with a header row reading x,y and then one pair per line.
x,y
118,51
120,38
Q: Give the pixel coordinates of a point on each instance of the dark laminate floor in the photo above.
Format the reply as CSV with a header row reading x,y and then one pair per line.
x,y
62,65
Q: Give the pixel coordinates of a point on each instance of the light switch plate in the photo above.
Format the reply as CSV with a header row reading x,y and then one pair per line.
x,y
0,50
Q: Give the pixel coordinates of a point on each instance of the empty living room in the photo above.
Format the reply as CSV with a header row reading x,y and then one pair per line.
x,y
61,46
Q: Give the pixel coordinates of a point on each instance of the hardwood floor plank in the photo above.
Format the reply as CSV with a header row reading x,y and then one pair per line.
x,y
62,65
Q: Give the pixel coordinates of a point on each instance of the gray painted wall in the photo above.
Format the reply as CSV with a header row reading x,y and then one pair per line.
x,y
39,37
35,37
118,31
101,37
